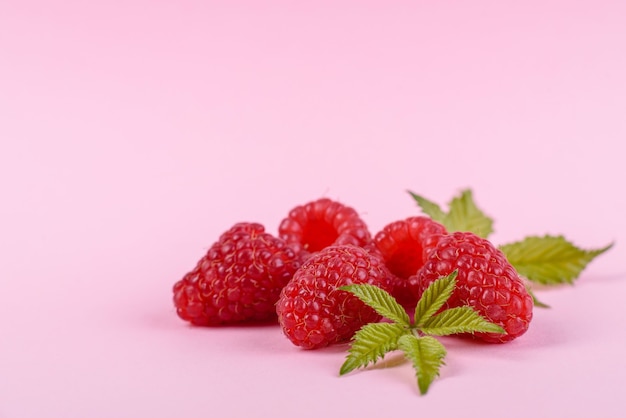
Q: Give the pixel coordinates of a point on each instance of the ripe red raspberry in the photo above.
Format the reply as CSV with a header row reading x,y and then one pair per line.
x,y
239,279
404,245
321,223
486,281
313,313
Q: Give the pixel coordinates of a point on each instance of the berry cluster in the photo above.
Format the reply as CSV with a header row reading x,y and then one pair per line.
x,y
294,277
326,280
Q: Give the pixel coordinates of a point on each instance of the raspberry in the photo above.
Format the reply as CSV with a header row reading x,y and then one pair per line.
x,y
313,313
239,279
404,245
486,281
321,223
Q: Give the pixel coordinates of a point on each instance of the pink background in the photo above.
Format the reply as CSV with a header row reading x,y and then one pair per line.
x,y
133,133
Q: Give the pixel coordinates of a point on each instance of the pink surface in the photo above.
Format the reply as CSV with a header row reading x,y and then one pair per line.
x,y
133,133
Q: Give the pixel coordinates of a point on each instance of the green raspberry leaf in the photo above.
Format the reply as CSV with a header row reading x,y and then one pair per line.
x,y
381,301
371,343
462,215
434,297
429,207
426,354
549,260
459,320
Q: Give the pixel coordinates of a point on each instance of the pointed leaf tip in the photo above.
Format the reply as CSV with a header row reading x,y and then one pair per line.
x,y
434,297
427,355
465,215
429,207
370,344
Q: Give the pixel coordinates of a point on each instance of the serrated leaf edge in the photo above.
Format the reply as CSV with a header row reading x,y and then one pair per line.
x,y
379,300
459,320
429,207
434,297
426,355
472,219
547,272
365,350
